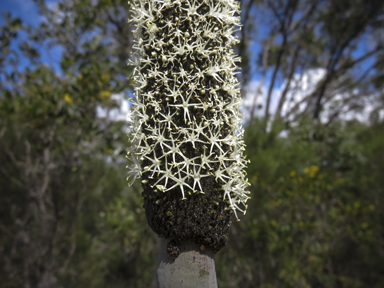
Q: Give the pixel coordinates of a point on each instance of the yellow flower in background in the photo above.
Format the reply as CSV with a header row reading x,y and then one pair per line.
x,y
372,207
105,94
80,77
293,173
311,171
105,77
340,181
283,273
110,151
276,203
68,98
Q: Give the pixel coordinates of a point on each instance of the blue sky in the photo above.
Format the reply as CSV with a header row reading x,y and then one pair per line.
x,y
28,11
25,9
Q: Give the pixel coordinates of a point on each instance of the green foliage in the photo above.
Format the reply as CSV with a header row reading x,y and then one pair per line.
x,y
315,218
122,250
61,164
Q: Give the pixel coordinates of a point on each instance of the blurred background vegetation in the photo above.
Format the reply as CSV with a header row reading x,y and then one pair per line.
x,y
316,217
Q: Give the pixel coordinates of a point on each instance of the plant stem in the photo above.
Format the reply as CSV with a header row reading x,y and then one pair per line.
x,y
194,267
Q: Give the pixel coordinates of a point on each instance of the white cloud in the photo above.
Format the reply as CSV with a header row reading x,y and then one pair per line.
x,y
58,15
115,114
301,87
250,100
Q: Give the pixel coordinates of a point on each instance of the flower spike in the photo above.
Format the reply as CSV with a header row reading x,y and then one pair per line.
x,y
185,130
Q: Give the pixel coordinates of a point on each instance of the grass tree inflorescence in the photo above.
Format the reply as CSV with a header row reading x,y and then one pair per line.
x,y
186,135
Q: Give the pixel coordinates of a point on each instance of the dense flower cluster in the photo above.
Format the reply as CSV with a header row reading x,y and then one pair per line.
x,y
186,122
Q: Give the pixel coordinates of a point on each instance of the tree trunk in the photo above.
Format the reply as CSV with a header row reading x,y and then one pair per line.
x,y
194,267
